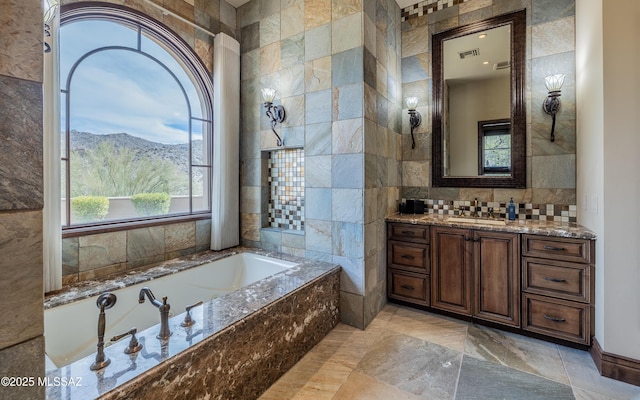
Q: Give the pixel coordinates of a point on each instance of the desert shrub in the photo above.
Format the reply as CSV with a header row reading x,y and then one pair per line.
x,y
90,208
151,203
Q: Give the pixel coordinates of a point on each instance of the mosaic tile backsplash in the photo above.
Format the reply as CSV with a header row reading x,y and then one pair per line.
x,y
286,183
541,212
427,7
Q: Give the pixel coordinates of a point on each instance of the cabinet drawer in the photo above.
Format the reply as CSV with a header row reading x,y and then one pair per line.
x,y
576,250
408,256
408,232
408,286
558,318
556,278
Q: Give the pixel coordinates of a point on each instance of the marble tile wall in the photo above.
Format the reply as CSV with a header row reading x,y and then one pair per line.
x,y
336,67
95,256
21,194
551,170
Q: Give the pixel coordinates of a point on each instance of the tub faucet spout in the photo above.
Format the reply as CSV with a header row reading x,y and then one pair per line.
x,y
164,308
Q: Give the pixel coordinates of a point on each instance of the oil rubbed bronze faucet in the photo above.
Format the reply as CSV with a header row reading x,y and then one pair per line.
x,y
164,308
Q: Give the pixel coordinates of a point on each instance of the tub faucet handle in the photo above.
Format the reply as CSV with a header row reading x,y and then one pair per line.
x,y
188,321
134,346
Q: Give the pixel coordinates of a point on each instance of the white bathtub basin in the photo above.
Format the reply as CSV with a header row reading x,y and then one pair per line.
x,y
71,329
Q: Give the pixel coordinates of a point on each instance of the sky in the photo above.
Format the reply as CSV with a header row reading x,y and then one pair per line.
x,y
121,90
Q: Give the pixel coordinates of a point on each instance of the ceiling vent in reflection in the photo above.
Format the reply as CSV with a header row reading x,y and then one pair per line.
x,y
502,65
469,53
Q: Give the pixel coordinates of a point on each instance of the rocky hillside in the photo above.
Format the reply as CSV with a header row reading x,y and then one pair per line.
x,y
178,154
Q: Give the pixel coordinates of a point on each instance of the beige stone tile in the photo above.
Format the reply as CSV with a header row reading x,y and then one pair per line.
x,y
293,20
180,236
553,37
361,386
474,5
429,327
415,41
316,13
347,33
101,250
317,74
21,292
250,224
342,8
270,58
21,45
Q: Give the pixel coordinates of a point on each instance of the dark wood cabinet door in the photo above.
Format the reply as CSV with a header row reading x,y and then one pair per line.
x,y
451,269
497,277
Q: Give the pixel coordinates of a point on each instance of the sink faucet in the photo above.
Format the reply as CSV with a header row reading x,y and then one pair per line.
x,y
476,212
164,311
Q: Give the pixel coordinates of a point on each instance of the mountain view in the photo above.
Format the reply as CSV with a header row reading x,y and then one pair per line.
x,y
121,164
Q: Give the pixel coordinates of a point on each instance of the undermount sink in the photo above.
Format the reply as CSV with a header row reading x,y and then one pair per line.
x,y
485,221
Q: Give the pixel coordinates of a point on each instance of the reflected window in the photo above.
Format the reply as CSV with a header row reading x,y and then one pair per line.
x,y
135,120
494,155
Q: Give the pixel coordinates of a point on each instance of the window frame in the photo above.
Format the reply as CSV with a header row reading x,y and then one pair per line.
x,y
495,127
194,68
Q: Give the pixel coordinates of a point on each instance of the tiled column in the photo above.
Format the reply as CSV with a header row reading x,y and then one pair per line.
x,y
336,66
21,195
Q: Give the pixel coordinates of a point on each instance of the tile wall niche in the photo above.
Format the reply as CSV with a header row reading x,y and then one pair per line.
x,y
286,189
96,256
551,166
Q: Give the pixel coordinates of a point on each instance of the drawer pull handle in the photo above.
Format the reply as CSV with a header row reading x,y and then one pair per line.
x,y
411,233
554,248
554,319
548,278
408,257
407,287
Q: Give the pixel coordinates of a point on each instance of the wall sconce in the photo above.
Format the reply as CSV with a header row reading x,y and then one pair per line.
x,y
551,103
414,117
275,113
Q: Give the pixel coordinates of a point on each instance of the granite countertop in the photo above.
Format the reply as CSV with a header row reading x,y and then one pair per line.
x,y
532,227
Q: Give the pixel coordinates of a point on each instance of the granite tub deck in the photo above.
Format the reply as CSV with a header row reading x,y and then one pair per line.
x,y
241,343
533,227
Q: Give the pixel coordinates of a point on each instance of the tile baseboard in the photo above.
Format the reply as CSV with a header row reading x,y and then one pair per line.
x,y
614,366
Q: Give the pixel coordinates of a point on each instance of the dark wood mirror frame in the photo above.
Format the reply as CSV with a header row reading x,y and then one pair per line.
x,y
517,20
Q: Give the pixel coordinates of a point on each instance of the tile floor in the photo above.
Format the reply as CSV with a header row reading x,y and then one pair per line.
x,y
412,354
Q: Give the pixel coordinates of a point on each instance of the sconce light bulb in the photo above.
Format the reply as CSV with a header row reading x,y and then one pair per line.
x,y
268,95
554,82
411,102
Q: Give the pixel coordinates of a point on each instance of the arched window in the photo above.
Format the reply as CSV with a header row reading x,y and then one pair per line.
x,y
136,119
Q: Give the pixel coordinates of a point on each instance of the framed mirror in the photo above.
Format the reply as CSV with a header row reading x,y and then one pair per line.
x,y
479,114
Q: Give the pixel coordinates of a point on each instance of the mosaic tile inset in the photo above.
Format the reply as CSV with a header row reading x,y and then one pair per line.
x,y
286,184
427,7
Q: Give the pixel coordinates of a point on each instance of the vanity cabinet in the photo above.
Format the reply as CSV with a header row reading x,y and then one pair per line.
x,y
557,289
408,263
533,283
476,273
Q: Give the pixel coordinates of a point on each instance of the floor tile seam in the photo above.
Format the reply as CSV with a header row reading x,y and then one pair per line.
x,y
502,363
341,385
455,389
526,372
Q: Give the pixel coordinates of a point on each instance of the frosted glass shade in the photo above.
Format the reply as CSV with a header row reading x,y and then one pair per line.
x,y
554,82
411,102
268,94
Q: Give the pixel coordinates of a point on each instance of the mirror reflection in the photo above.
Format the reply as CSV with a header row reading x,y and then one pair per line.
x,y
479,128
477,95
